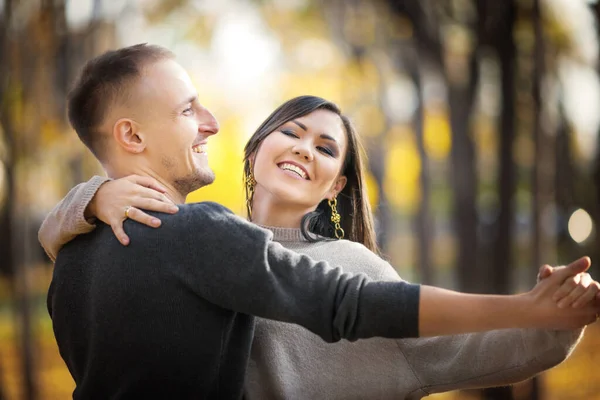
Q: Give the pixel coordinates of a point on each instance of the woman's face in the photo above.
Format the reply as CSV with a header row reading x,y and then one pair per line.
x,y
300,162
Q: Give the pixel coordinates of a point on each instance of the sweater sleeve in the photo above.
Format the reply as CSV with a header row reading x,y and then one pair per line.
x,y
487,359
484,359
67,220
241,269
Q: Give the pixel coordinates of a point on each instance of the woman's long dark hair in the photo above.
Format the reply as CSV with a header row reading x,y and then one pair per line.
x,y
353,204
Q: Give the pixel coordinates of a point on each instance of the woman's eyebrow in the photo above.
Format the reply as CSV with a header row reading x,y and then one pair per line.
x,y
300,124
323,135
327,137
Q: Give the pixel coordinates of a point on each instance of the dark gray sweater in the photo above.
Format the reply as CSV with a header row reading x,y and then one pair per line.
x,y
170,316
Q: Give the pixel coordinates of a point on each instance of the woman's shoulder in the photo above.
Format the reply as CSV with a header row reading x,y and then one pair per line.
x,y
351,257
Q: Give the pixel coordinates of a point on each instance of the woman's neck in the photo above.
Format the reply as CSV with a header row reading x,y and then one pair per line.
x,y
267,211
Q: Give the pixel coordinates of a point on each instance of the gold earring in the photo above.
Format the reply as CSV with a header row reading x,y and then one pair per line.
x,y
336,218
250,184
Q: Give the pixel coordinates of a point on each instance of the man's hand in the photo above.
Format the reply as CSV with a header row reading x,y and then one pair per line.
x,y
131,194
576,291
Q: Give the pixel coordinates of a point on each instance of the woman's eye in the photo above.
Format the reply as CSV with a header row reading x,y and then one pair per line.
x,y
188,111
325,150
289,133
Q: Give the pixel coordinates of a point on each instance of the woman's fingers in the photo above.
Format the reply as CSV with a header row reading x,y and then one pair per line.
x,y
544,272
147,194
117,228
155,205
138,215
589,295
570,298
147,182
567,286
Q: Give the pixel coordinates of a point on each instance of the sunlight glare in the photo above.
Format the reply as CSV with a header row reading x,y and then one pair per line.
x,y
580,225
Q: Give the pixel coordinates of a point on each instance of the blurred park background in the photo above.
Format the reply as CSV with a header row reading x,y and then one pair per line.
x,y
480,117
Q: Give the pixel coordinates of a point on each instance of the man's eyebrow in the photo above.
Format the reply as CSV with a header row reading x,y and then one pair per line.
x,y
300,124
190,99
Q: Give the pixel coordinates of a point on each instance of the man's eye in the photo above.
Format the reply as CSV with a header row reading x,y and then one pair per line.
x,y
188,111
289,133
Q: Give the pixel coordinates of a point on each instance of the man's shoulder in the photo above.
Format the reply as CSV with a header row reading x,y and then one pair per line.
x,y
193,212
208,217
205,207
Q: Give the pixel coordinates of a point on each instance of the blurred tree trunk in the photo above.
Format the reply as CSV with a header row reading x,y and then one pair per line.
x,y
423,223
424,45
383,216
504,20
461,96
543,168
10,234
499,24
544,154
6,204
565,179
594,249
7,266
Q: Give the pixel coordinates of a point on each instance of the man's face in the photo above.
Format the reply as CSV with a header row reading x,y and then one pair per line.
x,y
174,125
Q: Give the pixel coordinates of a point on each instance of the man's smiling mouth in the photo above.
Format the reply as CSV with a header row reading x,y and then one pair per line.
x,y
199,148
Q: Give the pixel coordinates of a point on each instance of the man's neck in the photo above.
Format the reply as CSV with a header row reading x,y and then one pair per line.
x,y
171,192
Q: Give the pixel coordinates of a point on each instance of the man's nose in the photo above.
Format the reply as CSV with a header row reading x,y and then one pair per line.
x,y
207,123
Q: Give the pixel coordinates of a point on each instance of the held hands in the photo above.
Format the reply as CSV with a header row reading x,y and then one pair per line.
x,y
576,291
117,200
565,297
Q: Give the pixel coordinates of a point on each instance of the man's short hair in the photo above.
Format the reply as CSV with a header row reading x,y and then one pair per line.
x,y
103,82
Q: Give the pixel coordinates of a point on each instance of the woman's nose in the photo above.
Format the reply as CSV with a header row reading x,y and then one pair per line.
x,y
303,151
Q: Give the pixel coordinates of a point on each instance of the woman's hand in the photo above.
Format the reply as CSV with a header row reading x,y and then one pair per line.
x,y
555,284
576,291
129,195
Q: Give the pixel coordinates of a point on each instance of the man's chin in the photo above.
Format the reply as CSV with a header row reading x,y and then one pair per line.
x,y
196,181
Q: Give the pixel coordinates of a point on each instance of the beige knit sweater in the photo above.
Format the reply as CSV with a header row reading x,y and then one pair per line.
x,y
289,362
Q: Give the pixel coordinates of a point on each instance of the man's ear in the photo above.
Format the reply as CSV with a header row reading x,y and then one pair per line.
x,y
128,136
339,185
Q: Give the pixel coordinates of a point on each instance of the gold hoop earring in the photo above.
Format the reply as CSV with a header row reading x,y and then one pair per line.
x,y
336,218
250,185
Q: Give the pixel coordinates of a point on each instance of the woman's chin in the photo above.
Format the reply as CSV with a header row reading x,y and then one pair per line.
x,y
294,199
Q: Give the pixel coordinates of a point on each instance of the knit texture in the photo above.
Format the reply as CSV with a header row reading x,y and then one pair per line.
x,y
289,362
169,315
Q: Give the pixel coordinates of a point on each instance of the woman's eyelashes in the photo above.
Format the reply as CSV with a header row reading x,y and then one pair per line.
x,y
287,132
324,150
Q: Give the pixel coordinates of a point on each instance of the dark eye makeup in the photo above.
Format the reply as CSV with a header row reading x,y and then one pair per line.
x,y
322,149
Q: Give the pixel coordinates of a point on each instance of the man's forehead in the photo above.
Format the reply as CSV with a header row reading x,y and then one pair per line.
x,y
166,77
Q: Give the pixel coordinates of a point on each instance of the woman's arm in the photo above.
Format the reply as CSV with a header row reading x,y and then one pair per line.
x,y
68,219
494,358
105,200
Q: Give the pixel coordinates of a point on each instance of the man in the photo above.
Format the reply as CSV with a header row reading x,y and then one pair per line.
x,y
170,316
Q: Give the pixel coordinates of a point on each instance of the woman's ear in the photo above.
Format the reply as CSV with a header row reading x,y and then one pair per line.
x,y
251,158
128,136
338,186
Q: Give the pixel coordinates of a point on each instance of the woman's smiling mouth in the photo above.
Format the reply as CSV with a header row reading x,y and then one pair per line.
x,y
298,170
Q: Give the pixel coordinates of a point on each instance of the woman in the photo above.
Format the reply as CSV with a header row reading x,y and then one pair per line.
x,y
304,178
